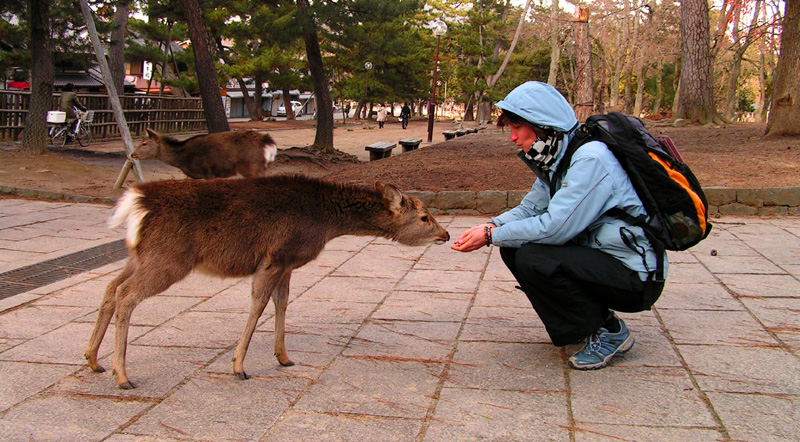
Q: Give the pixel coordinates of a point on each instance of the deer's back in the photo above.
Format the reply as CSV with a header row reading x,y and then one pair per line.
x,y
232,225
220,154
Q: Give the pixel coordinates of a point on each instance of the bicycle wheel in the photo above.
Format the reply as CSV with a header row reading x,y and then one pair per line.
x,y
84,135
58,136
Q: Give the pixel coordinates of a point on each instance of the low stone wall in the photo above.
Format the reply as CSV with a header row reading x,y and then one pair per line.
x,y
769,201
721,200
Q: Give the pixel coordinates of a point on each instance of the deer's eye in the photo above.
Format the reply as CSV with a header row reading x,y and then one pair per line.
x,y
424,218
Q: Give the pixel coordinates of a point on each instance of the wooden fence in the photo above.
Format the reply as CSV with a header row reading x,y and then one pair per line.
x,y
163,114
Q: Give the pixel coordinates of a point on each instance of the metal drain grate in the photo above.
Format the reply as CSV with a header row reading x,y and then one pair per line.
x,y
37,275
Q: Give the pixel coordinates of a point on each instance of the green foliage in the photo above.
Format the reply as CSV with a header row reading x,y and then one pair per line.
x,y
71,46
262,40
744,101
384,34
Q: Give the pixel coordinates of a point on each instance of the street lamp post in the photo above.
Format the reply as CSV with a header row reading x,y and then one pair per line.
x,y
439,28
368,67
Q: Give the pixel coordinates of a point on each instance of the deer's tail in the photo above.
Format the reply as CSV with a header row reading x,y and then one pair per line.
x,y
129,208
270,148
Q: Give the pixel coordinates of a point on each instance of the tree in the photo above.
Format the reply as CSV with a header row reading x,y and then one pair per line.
x,y
738,48
204,66
34,136
555,44
696,100
116,50
323,140
153,41
491,80
784,115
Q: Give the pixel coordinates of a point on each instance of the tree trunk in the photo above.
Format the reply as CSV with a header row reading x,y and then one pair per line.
x,y
600,102
676,86
287,103
784,114
34,136
731,100
762,87
696,84
623,45
584,93
555,45
204,66
258,95
116,50
659,87
323,140
738,49
469,111
492,80
640,80
252,108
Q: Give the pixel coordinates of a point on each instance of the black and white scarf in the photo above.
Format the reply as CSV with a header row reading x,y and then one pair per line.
x,y
543,151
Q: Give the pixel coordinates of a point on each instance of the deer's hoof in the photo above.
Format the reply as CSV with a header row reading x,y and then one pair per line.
x,y
242,376
127,386
288,363
98,369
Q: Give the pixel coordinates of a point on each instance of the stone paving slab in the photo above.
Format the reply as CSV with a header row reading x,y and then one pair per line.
x,y
395,343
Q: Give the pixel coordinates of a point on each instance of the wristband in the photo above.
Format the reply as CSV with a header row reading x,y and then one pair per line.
x,y
487,235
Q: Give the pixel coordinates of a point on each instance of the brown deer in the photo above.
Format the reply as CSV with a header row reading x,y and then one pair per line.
x,y
217,155
264,227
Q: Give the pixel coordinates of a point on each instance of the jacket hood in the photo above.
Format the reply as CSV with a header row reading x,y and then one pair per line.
x,y
540,104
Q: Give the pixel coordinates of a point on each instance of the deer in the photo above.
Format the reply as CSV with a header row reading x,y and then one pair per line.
x,y
265,227
215,155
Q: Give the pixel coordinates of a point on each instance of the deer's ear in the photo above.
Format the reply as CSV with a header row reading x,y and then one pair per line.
x,y
392,198
153,134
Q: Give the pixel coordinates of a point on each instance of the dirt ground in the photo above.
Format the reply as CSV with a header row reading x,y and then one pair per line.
x,y
728,156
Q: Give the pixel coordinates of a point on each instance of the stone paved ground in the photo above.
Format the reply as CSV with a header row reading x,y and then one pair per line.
x,y
396,343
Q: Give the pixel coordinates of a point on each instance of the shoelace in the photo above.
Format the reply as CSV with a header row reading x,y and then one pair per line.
x,y
594,343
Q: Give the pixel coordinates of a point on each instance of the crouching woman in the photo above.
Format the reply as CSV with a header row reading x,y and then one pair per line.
x,y
576,264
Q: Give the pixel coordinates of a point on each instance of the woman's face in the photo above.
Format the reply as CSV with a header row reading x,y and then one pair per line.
x,y
524,136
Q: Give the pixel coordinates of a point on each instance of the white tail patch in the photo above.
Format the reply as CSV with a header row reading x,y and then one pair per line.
x,y
270,152
131,210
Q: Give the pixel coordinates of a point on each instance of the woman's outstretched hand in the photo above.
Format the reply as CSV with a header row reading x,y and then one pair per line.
x,y
473,239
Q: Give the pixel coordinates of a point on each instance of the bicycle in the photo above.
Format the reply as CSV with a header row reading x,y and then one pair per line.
x,y
60,133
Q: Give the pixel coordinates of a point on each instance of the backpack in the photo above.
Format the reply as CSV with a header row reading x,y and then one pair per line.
x,y
672,197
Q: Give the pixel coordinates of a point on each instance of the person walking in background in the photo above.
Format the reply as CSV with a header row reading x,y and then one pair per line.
x,y
381,116
576,263
347,110
405,115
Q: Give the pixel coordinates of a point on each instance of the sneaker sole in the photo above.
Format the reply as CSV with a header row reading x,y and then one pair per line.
x,y
624,348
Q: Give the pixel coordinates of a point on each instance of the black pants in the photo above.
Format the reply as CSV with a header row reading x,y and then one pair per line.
x,y
573,289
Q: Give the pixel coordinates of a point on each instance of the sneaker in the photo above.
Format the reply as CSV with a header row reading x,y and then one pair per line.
x,y
601,346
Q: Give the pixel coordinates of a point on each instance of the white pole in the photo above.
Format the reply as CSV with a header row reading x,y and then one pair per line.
x,y
99,52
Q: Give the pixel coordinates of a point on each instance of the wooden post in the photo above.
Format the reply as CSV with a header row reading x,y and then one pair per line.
x,y
99,52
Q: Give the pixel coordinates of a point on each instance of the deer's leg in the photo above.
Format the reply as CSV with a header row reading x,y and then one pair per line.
x,y
264,281
126,301
146,282
107,308
280,298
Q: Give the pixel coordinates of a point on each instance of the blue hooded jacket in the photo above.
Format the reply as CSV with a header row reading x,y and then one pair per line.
x,y
594,183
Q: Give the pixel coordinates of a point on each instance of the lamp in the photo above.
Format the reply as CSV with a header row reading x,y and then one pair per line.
x,y
368,67
439,28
